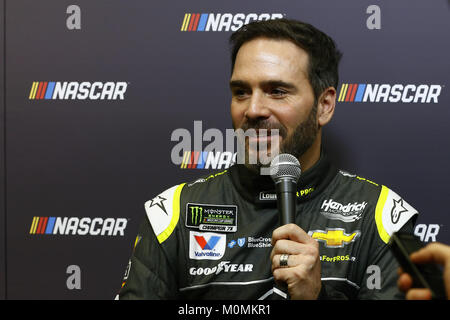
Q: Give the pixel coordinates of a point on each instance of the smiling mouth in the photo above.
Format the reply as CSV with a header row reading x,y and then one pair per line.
x,y
266,141
262,134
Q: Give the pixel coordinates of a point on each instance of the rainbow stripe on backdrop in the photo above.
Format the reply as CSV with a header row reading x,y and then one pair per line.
x,y
41,90
194,22
42,225
352,92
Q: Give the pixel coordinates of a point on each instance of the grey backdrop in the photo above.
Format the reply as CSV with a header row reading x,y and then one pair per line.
x,y
92,158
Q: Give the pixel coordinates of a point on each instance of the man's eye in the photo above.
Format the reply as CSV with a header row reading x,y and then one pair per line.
x,y
239,93
278,92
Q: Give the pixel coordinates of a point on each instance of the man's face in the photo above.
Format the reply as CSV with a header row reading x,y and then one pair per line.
x,y
270,90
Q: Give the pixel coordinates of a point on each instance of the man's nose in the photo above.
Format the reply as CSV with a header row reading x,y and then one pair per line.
x,y
257,108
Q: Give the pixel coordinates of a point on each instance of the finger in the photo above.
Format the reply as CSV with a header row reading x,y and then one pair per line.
x,y
434,252
292,247
276,261
292,232
399,271
418,294
293,261
283,275
404,282
280,275
292,274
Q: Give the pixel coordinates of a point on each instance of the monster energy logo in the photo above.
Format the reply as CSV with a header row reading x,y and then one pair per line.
x,y
211,217
196,214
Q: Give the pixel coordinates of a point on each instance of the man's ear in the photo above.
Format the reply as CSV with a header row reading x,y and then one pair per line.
x,y
325,106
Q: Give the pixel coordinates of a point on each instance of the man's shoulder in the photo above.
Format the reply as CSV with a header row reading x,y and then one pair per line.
x,y
163,210
208,180
201,184
357,181
386,208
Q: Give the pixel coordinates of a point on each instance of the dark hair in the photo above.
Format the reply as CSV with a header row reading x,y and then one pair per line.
x,y
323,55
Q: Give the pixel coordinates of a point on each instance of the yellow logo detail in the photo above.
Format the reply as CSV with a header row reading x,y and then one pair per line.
x,y
334,238
304,192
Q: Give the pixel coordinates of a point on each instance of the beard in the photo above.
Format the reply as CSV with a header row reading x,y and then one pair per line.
x,y
295,144
303,136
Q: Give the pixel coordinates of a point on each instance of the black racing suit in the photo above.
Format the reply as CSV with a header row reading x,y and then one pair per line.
x,y
211,239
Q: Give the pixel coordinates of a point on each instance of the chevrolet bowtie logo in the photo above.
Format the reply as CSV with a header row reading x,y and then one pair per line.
x,y
334,238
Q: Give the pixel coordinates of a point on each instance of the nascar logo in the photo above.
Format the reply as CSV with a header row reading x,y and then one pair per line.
x,y
78,226
222,22
207,160
423,93
51,90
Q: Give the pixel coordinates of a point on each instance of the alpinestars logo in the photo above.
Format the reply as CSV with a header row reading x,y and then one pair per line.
x,y
397,209
222,21
74,90
78,226
410,93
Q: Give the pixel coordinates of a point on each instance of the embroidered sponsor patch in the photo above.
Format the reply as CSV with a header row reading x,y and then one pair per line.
x,y
349,212
211,217
334,237
206,245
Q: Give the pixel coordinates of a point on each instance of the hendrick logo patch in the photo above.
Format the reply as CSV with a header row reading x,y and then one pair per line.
x,y
211,217
349,212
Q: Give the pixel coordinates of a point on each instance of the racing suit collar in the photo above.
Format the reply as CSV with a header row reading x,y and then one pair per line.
x,y
261,189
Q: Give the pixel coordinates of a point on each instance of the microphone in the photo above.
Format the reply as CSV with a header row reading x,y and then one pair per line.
x,y
285,171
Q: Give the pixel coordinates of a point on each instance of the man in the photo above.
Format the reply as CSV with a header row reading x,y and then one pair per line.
x,y
219,238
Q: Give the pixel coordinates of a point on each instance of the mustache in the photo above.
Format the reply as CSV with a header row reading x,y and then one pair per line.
x,y
257,124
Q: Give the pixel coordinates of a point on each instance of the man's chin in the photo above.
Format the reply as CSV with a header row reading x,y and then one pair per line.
x,y
258,162
254,168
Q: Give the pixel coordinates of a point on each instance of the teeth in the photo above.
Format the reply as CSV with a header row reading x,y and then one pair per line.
x,y
264,132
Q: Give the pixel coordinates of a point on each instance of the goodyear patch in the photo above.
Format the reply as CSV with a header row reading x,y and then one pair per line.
x,y
211,217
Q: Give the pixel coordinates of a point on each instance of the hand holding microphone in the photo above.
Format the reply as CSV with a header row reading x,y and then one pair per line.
x,y
295,255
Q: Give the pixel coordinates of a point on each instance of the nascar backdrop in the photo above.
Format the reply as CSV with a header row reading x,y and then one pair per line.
x,y
105,104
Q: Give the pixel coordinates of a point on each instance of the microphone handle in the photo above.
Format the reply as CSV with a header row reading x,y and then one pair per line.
x,y
286,200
